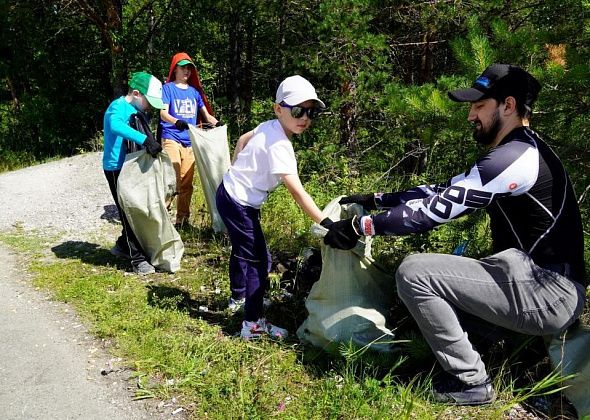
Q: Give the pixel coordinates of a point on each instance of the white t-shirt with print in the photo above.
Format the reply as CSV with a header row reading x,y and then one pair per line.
x,y
258,168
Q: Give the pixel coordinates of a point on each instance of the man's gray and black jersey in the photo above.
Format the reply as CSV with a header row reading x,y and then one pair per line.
x,y
523,186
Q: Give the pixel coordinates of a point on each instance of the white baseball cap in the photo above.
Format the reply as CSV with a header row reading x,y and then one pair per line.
x,y
295,90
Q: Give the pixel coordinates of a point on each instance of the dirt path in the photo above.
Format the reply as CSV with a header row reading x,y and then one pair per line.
x,y
51,366
68,195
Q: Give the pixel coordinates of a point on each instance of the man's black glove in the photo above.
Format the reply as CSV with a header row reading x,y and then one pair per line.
x,y
365,200
327,222
152,146
342,234
219,123
181,125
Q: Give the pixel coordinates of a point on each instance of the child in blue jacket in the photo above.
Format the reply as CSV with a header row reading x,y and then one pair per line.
x,y
145,91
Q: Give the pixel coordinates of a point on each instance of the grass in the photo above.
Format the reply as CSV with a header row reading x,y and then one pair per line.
x,y
174,331
12,161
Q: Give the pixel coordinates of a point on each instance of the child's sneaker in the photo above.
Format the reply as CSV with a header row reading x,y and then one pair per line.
x,y
251,330
144,268
236,305
254,330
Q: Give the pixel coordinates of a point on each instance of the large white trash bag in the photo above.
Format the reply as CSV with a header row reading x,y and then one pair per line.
x,y
143,187
569,354
212,159
352,296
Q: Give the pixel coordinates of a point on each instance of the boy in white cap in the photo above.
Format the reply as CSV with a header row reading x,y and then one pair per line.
x,y
263,159
145,91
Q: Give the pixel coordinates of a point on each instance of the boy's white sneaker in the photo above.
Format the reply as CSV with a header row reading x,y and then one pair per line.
x,y
252,330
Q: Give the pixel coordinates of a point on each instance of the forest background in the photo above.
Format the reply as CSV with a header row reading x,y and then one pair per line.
x,y
382,67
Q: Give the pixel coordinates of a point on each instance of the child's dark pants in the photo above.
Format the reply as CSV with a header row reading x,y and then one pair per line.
x,y
127,241
250,260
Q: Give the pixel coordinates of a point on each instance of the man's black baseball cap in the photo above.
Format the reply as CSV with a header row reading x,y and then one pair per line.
x,y
500,81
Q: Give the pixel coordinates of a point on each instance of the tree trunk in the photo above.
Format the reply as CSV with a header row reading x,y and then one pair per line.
x,y
235,43
150,43
282,40
348,122
247,83
107,16
426,59
15,101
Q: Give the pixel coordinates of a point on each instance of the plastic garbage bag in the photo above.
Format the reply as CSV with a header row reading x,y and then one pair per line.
x,y
350,300
143,186
568,353
212,159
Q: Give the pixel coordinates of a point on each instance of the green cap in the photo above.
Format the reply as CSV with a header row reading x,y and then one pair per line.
x,y
149,86
185,62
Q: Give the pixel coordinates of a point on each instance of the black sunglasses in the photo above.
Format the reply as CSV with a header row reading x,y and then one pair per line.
x,y
297,111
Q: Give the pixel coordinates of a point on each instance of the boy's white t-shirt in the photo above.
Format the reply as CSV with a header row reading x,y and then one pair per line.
x,y
258,168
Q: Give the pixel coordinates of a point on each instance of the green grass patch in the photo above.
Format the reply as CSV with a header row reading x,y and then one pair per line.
x,y
154,323
29,242
11,160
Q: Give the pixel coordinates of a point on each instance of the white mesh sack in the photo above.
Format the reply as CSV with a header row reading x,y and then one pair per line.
x,y
568,354
212,160
143,186
352,296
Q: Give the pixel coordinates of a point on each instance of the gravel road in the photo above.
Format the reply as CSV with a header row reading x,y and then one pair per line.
x,y
69,196
51,366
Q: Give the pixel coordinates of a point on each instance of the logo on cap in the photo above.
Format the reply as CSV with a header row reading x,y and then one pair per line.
x,y
483,81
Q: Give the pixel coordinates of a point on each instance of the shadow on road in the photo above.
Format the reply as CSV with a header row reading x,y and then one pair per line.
x,y
111,214
89,253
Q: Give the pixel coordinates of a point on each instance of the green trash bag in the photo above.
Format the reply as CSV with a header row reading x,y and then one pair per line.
x,y
350,301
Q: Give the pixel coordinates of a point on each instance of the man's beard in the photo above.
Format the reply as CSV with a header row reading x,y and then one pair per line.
x,y
486,136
